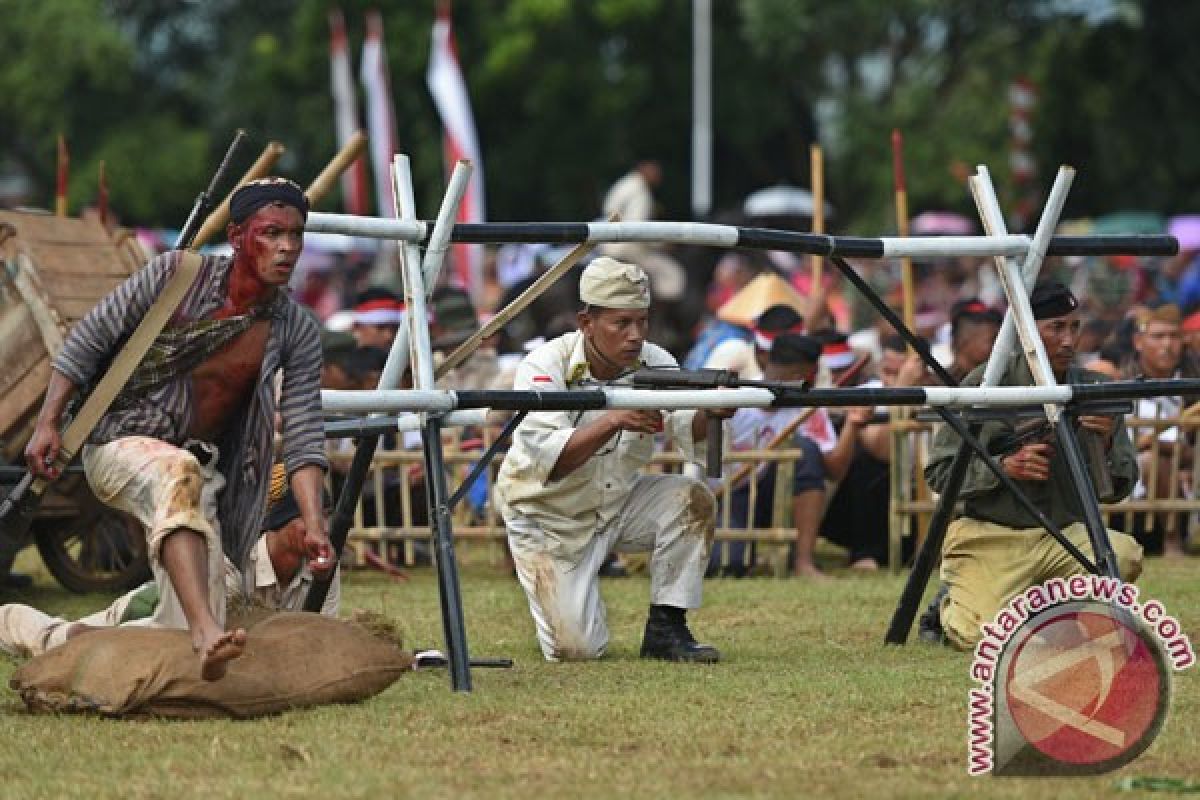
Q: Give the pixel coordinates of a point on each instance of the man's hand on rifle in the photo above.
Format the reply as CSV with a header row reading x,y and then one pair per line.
x,y
1030,463
42,450
636,421
1101,424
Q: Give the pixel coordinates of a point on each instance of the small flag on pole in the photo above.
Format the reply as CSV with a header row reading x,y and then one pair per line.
x,y
60,186
345,113
381,115
449,91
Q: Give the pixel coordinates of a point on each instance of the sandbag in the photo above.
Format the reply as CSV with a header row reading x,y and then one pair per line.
x,y
291,660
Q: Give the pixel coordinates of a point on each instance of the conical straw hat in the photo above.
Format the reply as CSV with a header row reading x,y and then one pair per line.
x,y
757,296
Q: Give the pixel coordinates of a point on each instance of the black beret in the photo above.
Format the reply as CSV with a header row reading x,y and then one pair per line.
x,y
1050,299
795,348
252,196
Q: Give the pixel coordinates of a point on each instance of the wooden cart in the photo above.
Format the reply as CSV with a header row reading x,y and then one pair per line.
x,y
52,271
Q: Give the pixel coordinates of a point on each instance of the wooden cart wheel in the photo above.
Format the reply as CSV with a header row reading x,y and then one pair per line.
x,y
96,550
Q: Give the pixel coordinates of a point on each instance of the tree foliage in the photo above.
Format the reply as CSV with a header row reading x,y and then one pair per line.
x,y
568,95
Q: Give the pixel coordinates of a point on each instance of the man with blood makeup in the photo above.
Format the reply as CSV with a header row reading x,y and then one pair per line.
x,y
571,488
186,448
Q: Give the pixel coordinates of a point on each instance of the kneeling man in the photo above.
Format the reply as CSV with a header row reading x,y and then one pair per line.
x,y
992,552
571,489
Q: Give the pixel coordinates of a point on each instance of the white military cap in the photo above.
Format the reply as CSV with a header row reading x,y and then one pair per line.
x,y
609,283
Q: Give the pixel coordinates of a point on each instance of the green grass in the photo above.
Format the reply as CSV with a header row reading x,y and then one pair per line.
x,y
807,702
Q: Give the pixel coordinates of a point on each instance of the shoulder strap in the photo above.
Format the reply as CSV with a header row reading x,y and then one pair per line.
x,y
101,398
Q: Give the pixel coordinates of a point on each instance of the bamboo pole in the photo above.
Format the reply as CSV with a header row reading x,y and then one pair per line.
x,y
60,184
341,162
259,169
906,265
817,163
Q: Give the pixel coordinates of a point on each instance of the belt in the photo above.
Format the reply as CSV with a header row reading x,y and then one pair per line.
x,y
205,452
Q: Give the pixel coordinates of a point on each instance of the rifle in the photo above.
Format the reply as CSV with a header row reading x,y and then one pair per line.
x,y
1040,431
19,507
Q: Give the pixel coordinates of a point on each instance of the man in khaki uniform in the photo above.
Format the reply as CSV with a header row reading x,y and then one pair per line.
x,y
991,553
571,489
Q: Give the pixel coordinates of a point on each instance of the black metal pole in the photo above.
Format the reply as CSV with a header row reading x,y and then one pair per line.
x,y
931,549
484,460
343,518
447,565
1102,550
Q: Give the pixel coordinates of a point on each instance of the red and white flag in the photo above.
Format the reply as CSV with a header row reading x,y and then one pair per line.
x,y
345,113
381,115
459,141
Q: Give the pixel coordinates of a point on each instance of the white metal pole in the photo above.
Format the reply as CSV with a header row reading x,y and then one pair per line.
x,y
394,401
701,108
1006,339
1015,285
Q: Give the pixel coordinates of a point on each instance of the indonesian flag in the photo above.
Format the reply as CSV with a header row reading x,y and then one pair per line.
x,y
345,113
449,92
381,117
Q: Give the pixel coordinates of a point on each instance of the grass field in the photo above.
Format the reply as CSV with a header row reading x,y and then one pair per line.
x,y
807,702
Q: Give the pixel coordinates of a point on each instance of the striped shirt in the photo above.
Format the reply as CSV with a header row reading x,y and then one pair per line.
x,y
165,411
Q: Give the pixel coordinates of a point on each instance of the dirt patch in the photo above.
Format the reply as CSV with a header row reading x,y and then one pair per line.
x,y
702,507
568,645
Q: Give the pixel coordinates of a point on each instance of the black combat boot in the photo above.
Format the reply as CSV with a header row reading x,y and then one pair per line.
x,y
667,637
929,625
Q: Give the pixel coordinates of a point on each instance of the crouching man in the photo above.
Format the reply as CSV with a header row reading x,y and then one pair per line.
x,y
571,489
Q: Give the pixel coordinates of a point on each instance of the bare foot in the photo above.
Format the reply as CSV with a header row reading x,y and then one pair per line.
x,y
810,572
216,654
865,565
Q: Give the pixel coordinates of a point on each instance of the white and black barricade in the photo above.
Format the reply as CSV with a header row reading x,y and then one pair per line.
x,y
1019,259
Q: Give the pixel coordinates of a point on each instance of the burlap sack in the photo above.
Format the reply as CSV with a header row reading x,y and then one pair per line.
x,y
292,660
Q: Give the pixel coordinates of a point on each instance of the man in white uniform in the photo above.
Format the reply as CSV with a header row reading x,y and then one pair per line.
x,y
571,492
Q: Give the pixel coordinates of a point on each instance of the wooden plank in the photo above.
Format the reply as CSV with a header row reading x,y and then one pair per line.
x,y
74,309
49,228
63,285
90,260
27,394
22,346
49,323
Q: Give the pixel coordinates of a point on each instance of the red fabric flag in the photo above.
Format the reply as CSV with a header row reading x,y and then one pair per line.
x,y
381,115
345,113
449,91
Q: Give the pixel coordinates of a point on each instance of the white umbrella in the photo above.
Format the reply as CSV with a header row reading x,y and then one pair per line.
x,y
781,201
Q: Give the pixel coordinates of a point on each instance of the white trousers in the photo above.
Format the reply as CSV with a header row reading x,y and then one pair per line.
x,y
669,516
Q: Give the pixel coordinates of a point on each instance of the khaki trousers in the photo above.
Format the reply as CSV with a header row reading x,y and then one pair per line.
x,y
985,565
669,516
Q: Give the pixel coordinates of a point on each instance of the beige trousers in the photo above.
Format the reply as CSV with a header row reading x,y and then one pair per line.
x,y
165,488
985,565
669,516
